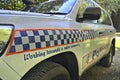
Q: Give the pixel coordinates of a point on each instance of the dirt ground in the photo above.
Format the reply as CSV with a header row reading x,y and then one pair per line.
x,y
98,72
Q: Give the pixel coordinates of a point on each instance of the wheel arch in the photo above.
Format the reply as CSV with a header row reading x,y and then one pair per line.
x,y
66,59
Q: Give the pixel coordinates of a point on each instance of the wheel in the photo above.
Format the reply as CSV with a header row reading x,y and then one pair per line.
x,y
107,60
48,71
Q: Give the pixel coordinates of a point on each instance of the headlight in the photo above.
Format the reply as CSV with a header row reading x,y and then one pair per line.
x,y
5,34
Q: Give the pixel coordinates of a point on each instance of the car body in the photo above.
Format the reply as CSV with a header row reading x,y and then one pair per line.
x,y
68,39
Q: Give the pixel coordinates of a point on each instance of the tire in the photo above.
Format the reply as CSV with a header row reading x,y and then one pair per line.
x,y
48,71
107,60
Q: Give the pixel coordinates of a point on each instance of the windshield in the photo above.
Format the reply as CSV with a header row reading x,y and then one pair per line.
x,y
55,7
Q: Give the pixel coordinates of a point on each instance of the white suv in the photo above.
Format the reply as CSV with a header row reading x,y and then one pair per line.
x,y
54,40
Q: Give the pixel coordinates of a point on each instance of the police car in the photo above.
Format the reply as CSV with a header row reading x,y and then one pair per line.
x,y
54,40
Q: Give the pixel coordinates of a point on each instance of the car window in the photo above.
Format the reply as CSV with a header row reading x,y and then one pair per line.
x,y
55,6
104,19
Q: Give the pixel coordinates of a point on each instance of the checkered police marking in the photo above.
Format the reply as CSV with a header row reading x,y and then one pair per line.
x,y
39,39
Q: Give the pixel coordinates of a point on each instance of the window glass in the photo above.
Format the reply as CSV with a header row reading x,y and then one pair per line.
x,y
56,6
104,19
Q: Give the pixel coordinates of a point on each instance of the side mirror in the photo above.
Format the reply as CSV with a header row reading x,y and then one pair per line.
x,y
28,4
92,13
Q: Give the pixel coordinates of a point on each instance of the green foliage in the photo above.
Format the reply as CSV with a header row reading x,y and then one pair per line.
x,y
14,4
110,5
11,4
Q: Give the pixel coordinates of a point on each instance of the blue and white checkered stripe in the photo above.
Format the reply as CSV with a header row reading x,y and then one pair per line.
x,y
38,39
35,39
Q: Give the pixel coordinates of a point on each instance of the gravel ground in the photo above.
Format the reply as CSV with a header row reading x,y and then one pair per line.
x,y
98,72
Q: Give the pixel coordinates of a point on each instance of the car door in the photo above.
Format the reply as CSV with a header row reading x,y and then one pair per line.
x,y
103,30
95,34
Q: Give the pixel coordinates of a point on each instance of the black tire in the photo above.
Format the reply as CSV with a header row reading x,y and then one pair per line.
x,y
107,60
48,71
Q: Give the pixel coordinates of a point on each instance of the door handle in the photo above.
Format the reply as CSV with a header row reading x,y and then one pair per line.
x,y
101,32
110,31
